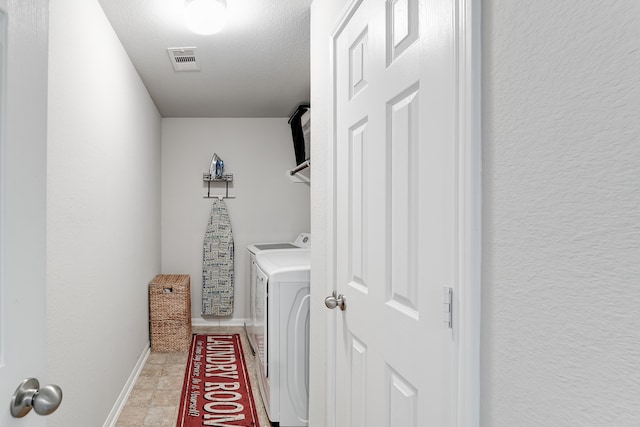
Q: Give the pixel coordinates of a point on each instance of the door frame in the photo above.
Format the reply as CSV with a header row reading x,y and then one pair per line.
x,y
467,290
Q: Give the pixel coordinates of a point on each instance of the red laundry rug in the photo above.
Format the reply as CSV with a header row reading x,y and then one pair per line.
x,y
216,390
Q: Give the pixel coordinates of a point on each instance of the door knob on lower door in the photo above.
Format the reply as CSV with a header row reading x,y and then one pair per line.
x,y
335,300
29,395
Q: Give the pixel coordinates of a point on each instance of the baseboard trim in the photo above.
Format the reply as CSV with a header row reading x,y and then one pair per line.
x,y
199,321
126,391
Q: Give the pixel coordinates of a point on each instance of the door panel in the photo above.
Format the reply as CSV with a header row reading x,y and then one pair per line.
x,y
23,132
395,240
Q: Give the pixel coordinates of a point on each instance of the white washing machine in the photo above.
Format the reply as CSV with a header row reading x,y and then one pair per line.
x,y
283,353
302,242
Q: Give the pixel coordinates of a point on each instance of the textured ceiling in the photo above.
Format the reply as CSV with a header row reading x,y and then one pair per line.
x,y
257,66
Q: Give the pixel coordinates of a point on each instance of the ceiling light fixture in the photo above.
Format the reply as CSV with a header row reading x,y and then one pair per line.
x,y
205,16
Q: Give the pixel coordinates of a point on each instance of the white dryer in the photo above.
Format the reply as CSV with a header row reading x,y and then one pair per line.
x,y
283,356
302,242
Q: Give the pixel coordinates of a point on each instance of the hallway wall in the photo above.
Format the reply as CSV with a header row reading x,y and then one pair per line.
x,y
268,206
103,222
561,226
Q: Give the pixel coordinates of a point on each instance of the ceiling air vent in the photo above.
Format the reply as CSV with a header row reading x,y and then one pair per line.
x,y
184,58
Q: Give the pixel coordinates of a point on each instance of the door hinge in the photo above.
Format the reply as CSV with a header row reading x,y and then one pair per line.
x,y
448,306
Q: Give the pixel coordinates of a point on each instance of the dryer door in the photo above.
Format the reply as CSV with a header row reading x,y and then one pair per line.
x,y
294,372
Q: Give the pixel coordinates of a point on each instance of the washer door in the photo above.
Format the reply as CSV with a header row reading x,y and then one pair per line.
x,y
252,324
260,329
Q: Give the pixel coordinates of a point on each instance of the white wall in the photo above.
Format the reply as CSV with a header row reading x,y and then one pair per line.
x,y
561,252
268,206
103,226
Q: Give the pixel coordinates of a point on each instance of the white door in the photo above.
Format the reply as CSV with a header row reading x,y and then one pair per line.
x,y
23,133
395,237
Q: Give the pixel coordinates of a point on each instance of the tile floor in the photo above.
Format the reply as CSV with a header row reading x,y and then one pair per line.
x,y
155,397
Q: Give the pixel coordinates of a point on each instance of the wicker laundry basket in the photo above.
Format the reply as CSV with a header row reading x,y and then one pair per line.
x,y
170,313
